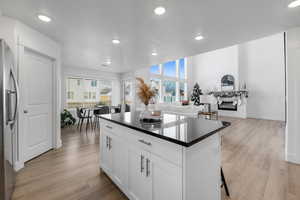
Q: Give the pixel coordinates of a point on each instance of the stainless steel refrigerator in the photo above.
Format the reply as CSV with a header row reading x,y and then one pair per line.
x,y
9,100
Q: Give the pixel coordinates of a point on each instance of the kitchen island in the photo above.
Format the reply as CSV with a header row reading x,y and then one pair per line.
x,y
177,159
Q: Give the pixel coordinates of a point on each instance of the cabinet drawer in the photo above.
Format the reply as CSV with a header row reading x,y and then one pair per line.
x,y
157,146
108,126
162,148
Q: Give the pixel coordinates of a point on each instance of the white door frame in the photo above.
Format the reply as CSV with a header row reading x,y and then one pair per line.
x,y
56,76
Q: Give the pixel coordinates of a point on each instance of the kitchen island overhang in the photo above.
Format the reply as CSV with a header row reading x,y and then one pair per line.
x,y
179,158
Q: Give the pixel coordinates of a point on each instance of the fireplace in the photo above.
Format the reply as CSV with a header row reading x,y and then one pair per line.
x,y
227,105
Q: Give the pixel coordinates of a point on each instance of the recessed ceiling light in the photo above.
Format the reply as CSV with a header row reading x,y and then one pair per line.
x,y
159,10
108,62
199,37
116,41
294,4
44,18
154,54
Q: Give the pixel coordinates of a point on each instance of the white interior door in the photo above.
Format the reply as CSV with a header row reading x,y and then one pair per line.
x,y
36,93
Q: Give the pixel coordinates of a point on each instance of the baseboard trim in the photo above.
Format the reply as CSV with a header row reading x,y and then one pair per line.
x,y
18,165
58,144
292,158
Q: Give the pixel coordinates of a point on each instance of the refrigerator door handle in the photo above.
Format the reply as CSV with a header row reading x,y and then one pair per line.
x,y
12,121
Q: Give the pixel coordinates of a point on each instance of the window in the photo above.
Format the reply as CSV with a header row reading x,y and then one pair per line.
x,y
182,91
94,95
170,69
127,91
170,81
87,92
86,95
182,69
74,88
155,69
105,92
155,84
169,89
70,95
94,83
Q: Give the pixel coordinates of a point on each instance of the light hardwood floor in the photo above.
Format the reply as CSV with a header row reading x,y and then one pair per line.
x,y
253,163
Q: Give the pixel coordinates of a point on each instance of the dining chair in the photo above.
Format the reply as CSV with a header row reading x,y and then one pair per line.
x,y
82,115
127,108
100,111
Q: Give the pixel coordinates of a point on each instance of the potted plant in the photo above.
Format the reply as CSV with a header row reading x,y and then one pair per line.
x,y
67,119
146,93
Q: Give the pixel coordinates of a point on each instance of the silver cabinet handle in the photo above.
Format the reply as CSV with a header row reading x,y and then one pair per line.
x,y
142,163
109,143
107,126
147,167
144,142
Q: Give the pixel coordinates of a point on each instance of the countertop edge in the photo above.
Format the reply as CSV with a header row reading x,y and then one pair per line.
x,y
225,124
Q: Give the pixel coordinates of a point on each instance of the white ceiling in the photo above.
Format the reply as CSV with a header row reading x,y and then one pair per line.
x,y
85,28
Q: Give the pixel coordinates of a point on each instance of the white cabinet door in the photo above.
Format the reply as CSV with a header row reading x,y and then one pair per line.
x,y
140,174
106,152
166,179
119,161
138,184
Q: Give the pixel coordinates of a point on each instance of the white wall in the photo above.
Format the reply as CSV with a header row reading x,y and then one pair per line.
x,y
262,69
208,68
293,96
259,64
8,32
92,74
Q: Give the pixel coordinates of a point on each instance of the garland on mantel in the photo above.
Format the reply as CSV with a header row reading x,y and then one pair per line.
x,y
229,94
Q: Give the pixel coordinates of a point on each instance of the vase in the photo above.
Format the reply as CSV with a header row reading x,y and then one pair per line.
x,y
145,113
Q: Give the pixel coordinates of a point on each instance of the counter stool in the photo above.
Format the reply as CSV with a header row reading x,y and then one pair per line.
x,y
224,183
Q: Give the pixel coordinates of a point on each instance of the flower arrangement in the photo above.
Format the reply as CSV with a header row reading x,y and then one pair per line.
x,y
145,92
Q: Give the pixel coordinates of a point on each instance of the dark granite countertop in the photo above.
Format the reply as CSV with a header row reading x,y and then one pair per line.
x,y
174,128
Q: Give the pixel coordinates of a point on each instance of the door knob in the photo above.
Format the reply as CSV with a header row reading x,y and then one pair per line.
x,y
25,111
